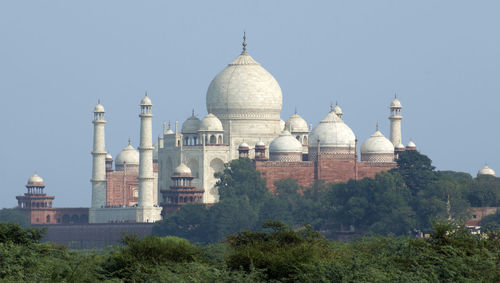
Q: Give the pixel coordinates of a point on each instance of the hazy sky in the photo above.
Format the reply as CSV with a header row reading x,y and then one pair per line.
x,y
57,58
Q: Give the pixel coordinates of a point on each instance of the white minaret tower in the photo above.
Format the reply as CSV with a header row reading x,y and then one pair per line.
x,y
98,159
146,211
395,118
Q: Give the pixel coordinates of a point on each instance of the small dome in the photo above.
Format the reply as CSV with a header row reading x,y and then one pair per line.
x,y
285,143
211,124
169,132
182,170
411,145
396,104
486,171
260,144
146,101
109,157
98,108
296,124
332,132
129,156
400,147
377,144
191,125
243,146
35,180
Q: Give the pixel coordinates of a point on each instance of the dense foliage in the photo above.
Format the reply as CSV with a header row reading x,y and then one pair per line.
x,y
399,202
277,254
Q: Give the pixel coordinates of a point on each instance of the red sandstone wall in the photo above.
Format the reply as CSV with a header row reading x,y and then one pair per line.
x,y
333,171
274,171
71,215
369,170
119,184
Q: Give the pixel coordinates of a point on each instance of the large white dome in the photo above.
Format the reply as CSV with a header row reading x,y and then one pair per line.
x,y
296,124
377,144
332,132
285,143
245,90
128,155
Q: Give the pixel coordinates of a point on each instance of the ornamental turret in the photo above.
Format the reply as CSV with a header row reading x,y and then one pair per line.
x,y
395,118
181,192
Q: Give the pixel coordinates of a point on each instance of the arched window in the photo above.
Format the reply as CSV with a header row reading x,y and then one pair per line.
x,y
305,140
220,140
75,219
213,139
65,219
48,219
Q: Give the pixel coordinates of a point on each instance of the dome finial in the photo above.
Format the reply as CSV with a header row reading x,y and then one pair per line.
x,y
331,107
395,95
376,126
169,125
192,112
244,43
146,93
164,126
295,109
99,101
128,141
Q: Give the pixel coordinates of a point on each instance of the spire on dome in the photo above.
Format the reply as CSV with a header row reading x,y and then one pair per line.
x,y
244,43
331,107
128,141
192,112
376,127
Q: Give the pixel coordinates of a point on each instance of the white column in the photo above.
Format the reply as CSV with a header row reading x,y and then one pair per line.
x,y
99,159
395,119
146,148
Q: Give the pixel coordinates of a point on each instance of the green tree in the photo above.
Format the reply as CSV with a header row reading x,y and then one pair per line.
x,y
491,222
283,254
14,215
416,170
240,178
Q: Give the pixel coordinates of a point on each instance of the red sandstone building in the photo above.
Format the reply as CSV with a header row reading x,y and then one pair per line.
x,y
39,210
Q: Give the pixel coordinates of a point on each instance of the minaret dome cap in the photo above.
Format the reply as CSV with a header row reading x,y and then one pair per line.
x,y
182,169
396,104
146,101
99,108
35,180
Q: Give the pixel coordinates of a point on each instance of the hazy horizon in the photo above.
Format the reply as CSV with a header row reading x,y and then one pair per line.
x,y
58,58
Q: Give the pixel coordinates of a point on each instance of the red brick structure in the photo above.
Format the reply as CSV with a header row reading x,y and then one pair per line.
x,y
122,185
181,192
38,206
326,168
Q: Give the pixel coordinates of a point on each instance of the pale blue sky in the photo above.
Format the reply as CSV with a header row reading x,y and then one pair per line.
x,y
57,58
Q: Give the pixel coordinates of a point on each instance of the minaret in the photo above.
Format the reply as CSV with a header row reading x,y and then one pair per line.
x,y
395,117
99,159
146,211
146,155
